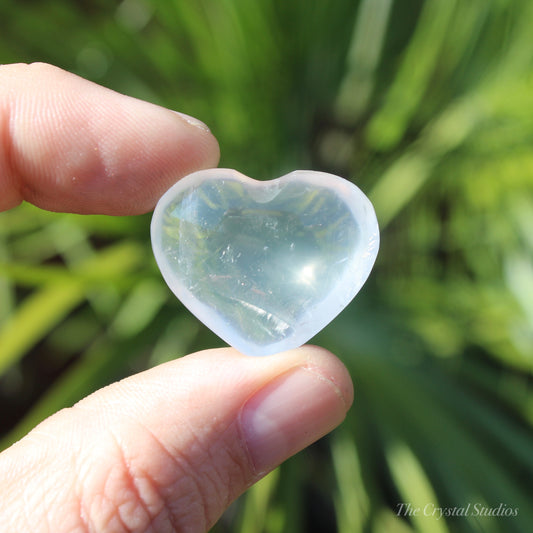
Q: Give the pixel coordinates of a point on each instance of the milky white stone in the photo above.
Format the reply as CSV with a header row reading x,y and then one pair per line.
x,y
265,265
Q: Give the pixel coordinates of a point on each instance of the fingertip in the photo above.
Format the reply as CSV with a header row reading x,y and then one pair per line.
x,y
264,368
296,408
314,358
68,144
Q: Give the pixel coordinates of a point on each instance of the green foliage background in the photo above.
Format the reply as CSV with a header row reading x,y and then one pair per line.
x,y
428,107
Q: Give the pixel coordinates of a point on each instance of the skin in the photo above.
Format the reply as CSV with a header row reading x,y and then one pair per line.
x,y
170,448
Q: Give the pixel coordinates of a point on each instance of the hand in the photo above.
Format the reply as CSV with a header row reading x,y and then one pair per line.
x,y
170,448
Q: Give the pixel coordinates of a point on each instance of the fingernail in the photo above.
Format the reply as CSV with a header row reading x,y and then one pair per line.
x,y
193,121
288,414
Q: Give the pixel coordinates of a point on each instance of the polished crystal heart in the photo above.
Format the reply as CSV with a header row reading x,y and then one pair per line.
x,y
265,265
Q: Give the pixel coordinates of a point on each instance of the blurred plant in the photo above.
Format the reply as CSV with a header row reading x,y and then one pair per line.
x,y
428,106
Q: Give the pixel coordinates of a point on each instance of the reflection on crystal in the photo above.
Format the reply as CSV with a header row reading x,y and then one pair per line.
x,y
265,265
307,274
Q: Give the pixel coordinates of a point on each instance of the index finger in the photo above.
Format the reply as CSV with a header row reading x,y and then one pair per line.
x,y
67,144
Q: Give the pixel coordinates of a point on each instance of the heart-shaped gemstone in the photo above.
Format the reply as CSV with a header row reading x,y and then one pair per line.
x,y
265,265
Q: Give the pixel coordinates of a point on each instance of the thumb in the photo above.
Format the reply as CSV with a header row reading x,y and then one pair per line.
x,y
169,449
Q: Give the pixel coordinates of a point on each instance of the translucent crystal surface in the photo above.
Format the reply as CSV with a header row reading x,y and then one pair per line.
x,y
265,265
